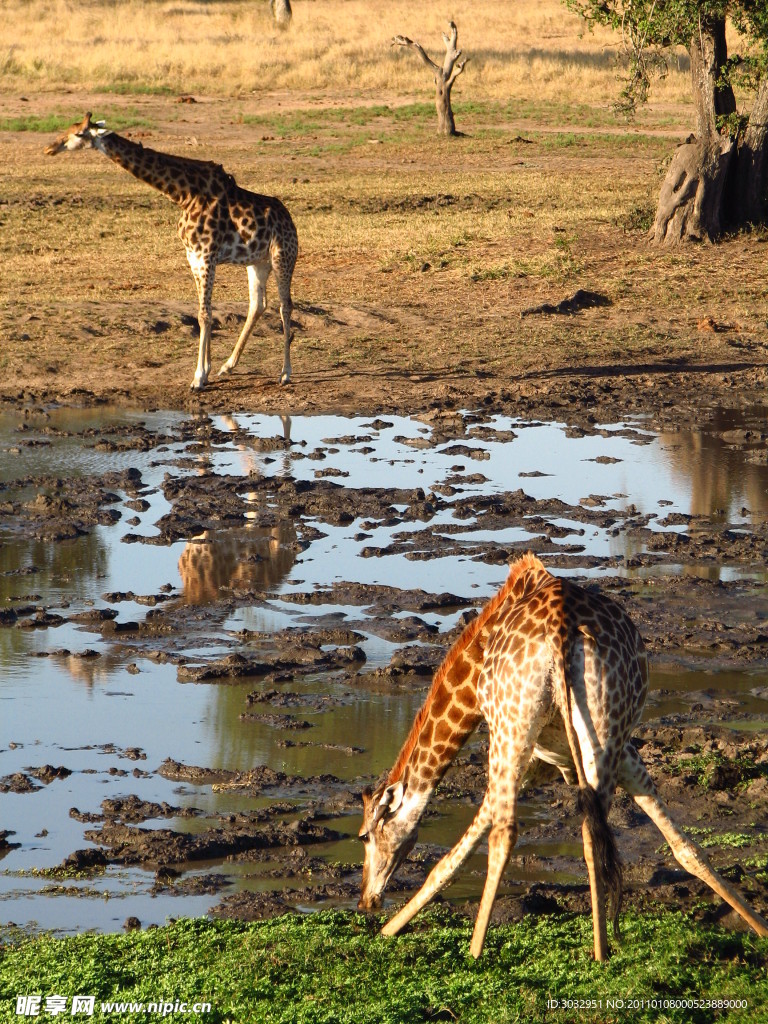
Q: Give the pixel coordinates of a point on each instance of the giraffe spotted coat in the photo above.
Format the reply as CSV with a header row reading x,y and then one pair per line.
x,y
220,223
559,673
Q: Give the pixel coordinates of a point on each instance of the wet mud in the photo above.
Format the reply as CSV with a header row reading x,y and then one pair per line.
x,y
703,746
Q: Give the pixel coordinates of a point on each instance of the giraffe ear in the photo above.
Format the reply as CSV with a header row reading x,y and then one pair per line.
x,y
390,800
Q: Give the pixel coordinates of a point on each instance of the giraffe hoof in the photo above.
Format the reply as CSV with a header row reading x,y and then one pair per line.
x,y
285,378
225,370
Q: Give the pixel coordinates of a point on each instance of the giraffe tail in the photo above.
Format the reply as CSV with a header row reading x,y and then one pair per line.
x,y
604,843
589,803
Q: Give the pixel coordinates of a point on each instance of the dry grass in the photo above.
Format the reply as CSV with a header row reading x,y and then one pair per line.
x,y
529,48
417,254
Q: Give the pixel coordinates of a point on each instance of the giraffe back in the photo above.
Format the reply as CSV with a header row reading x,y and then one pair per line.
x,y
568,655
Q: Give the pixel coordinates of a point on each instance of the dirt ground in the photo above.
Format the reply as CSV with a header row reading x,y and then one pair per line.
x,y
432,273
96,313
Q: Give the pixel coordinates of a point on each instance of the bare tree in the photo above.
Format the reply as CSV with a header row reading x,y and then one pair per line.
x,y
281,12
445,76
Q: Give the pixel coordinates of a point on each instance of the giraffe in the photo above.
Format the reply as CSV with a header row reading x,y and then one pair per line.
x,y
560,674
220,223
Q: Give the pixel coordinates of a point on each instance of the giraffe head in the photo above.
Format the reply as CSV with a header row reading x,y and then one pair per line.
x,y
388,832
77,136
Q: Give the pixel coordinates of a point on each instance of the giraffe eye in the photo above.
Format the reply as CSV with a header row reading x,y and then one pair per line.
x,y
364,837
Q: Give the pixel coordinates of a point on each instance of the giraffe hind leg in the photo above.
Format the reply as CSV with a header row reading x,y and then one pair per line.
x,y
257,290
282,264
637,782
596,894
603,867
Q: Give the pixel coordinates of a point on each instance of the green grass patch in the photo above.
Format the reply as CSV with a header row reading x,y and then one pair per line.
x,y
335,967
299,122
50,123
707,838
639,217
713,770
498,272
33,123
470,115
761,864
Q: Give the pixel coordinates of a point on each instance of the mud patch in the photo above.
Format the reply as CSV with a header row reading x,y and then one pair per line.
x,y
310,606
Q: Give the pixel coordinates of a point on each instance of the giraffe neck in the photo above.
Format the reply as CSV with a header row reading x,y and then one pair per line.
x,y
451,712
177,177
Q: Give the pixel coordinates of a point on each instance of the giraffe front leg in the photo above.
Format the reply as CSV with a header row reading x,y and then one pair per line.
x,y
203,272
257,289
501,840
203,356
443,871
637,782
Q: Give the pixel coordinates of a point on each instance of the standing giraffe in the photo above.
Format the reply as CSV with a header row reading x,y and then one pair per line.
x,y
559,673
220,223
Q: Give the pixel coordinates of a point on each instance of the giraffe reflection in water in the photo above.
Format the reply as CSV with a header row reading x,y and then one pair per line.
x,y
257,558
239,560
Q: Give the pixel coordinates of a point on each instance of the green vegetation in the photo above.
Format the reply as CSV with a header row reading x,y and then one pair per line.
x,y
479,119
761,863
299,122
708,837
334,967
713,770
32,123
58,122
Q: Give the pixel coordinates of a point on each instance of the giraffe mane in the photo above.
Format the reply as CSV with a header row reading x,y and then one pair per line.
x,y
524,565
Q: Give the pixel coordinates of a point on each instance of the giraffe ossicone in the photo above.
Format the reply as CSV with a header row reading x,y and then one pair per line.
x,y
220,223
559,673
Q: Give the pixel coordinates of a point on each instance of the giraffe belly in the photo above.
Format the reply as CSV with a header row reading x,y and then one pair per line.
x,y
241,254
552,747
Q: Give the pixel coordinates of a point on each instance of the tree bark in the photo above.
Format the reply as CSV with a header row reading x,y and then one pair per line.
x,y
444,76
691,196
709,52
747,199
446,124
691,200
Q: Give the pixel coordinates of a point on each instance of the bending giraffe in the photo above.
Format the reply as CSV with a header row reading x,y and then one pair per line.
x,y
559,673
220,223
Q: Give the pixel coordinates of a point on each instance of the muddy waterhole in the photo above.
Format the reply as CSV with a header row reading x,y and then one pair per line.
x,y
215,630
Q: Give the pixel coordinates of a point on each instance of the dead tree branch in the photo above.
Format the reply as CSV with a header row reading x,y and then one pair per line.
x,y
444,76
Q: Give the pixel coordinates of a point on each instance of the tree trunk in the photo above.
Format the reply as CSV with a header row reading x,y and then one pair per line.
x,y
281,12
691,196
445,122
747,196
691,199
709,52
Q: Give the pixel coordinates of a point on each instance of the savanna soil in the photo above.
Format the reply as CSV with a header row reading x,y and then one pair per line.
x,y
432,272
505,271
